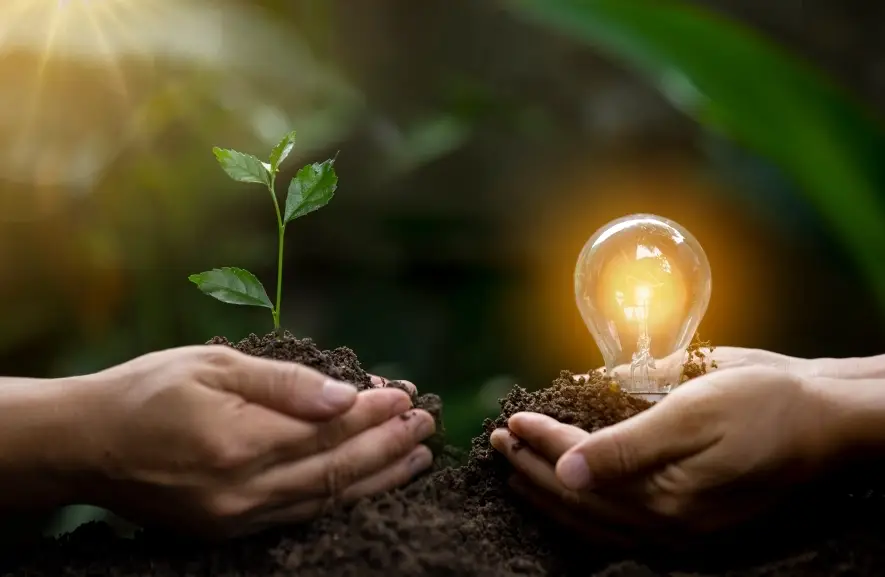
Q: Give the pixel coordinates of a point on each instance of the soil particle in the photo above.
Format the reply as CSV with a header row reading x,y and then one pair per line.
x,y
696,359
462,519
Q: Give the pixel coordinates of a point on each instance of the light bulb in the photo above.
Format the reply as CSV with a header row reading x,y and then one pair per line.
x,y
642,284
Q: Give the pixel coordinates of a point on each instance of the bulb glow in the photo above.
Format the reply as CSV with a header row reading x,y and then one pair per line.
x,y
642,285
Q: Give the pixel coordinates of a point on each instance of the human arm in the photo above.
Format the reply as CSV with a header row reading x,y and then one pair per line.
x,y
42,433
858,405
206,440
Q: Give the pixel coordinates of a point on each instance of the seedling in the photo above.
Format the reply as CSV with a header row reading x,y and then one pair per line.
x,y
310,189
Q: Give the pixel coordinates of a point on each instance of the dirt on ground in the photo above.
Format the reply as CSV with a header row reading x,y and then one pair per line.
x,y
462,519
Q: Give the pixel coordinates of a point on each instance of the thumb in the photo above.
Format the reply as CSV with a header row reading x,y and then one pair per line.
x,y
648,440
289,388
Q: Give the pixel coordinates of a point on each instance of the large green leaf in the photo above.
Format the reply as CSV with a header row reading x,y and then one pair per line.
x,y
311,189
736,81
232,285
242,167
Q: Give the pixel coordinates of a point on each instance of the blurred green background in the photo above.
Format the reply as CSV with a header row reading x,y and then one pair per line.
x,y
481,143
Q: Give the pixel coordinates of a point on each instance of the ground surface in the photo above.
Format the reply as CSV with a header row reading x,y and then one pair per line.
x,y
465,521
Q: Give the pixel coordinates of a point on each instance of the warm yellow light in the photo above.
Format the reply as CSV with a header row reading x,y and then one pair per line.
x,y
642,285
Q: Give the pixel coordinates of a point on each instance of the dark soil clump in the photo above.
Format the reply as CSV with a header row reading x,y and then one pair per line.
x,y
463,520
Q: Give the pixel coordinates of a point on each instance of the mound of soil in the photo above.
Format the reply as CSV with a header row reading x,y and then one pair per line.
x,y
463,520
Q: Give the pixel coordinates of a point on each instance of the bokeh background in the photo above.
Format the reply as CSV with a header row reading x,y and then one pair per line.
x,y
481,144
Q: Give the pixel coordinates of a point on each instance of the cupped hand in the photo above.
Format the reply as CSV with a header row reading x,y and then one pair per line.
x,y
215,443
714,453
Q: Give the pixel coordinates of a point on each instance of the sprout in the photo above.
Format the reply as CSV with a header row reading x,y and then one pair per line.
x,y
311,189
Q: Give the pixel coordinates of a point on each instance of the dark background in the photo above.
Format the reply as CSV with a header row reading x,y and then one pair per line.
x,y
477,154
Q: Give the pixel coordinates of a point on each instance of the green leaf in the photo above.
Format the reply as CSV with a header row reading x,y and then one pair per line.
x,y
311,189
232,285
243,167
737,82
281,151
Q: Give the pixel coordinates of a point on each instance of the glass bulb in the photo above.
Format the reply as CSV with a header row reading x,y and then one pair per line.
x,y
642,284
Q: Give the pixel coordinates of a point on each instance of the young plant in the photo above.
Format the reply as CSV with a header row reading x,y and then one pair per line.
x,y
311,189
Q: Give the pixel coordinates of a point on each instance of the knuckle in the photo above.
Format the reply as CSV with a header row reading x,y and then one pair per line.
x,y
220,356
405,435
289,377
226,505
295,375
224,453
672,480
330,434
624,453
671,492
673,507
338,474
571,498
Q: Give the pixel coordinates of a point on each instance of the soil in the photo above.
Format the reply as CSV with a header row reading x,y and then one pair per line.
x,y
463,519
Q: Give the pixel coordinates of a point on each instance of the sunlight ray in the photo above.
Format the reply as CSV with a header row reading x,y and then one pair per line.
x,y
30,116
10,16
113,64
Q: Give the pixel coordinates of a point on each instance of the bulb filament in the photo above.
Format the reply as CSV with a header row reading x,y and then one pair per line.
x,y
642,359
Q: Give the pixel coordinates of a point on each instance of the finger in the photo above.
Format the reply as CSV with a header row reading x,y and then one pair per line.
x,y
396,475
406,386
373,407
289,388
266,438
578,522
542,475
530,464
666,432
329,474
547,436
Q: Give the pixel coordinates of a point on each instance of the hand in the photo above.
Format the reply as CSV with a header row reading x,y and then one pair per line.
x,y
715,452
213,442
669,368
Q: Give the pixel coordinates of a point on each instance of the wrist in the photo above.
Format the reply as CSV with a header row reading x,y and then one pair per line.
x,y
855,416
848,368
45,441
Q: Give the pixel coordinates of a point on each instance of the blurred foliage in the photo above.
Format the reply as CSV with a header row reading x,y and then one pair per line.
x,y
732,79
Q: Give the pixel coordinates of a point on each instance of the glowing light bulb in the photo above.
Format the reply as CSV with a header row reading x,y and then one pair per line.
x,y
642,284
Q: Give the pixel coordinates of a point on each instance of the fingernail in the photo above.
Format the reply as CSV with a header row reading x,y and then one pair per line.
x,y
376,380
412,389
527,419
426,427
338,394
420,460
572,470
498,438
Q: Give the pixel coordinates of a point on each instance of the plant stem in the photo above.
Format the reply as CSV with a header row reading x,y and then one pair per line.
x,y
280,278
281,231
